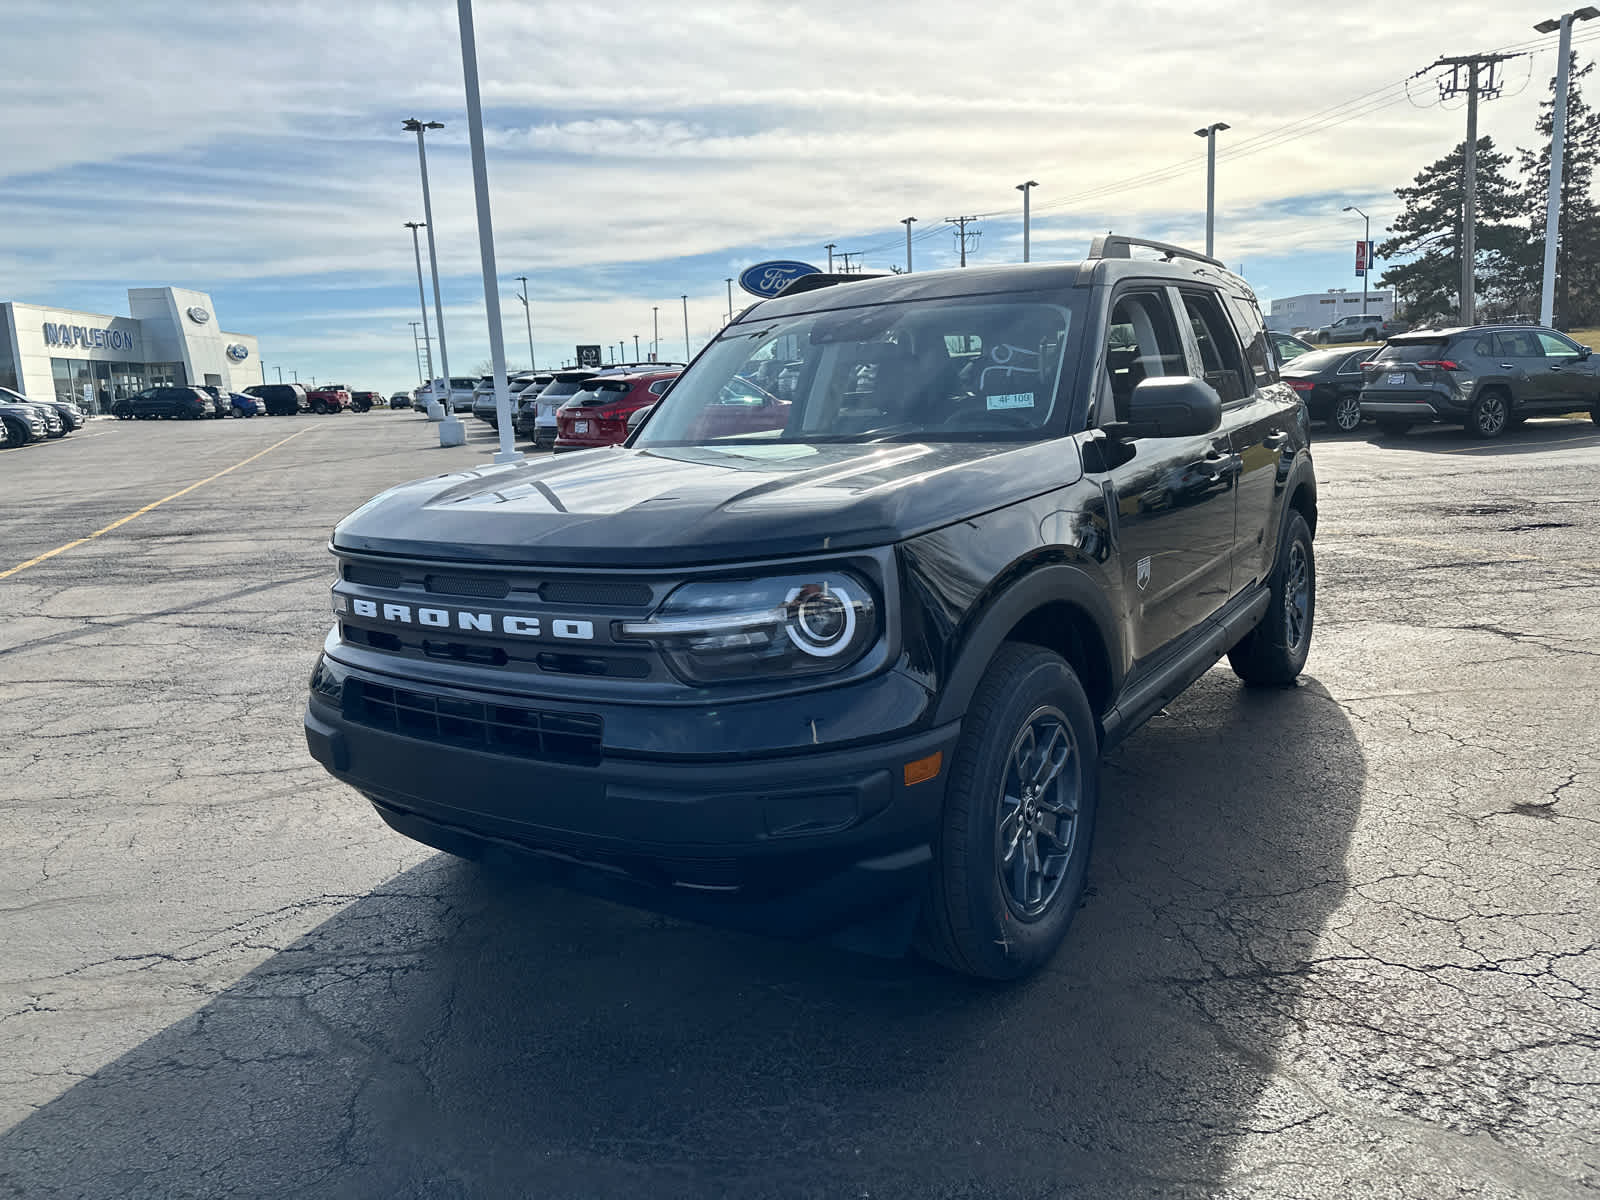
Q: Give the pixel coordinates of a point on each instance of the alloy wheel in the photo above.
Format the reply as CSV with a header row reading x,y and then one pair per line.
x,y
1296,596
1037,819
1491,414
1347,413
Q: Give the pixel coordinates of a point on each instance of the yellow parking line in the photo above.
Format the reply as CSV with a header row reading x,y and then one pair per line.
x,y
33,562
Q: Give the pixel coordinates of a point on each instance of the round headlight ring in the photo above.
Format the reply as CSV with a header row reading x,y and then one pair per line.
x,y
821,619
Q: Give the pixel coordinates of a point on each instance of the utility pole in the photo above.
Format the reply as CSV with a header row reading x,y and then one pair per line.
x,y
686,327
1487,88
527,315
829,249
847,255
655,340
962,235
908,222
416,344
1025,188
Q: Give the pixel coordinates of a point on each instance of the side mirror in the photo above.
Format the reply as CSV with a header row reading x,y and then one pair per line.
x,y
1584,352
1171,406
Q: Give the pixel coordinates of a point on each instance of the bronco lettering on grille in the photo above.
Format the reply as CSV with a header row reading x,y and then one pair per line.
x,y
480,622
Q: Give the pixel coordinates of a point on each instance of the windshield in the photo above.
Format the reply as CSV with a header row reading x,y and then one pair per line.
x,y
968,369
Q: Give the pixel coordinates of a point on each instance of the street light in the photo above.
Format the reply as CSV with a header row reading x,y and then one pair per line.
x,y
908,222
686,327
527,314
636,357
1210,134
655,340
1366,240
422,299
1024,188
1558,139
451,431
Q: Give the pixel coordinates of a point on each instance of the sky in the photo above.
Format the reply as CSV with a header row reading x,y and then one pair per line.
x,y
638,152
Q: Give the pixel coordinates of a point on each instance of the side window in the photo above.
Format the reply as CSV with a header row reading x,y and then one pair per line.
x,y
1557,347
1219,349
660,386
1141,343
1517,344
1260,357
1484,347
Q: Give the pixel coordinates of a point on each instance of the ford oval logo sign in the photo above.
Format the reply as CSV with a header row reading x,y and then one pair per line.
x,y
199,315
237,352
769,278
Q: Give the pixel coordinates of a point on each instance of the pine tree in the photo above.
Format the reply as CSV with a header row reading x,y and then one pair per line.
x,y
1578,236
1428,234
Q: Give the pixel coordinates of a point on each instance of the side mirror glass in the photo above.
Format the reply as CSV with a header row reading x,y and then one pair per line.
x,y
1172,406
1584,352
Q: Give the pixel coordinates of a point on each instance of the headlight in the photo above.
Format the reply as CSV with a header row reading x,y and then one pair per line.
x,y
744,629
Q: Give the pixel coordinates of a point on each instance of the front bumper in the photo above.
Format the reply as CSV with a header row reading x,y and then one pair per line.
x,y
827,843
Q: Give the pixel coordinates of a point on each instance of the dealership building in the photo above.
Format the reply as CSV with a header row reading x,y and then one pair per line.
x,y
170,336
1316,309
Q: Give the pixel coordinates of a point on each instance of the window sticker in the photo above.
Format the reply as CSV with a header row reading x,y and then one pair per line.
x,y
1011,400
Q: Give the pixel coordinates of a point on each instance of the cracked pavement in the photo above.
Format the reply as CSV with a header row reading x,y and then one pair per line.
x,y
1340,941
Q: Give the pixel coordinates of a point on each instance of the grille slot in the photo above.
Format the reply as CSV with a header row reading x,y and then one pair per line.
x,y
383,577
484,587
498,728
615,666
599,593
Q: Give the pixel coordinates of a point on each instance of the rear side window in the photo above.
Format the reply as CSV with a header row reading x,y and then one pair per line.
x,y
660,386
1412,351
1219,349
1258,352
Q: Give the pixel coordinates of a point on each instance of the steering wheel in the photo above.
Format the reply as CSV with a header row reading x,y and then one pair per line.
x,y
756,389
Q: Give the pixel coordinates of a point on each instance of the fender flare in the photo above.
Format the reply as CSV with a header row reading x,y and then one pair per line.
x,y
1049,584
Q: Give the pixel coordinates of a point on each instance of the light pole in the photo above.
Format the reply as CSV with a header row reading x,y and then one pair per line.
x,y
1024,188
1558,139
416,345
447,415
685,327
636,357
1210,134
491,286
655,338
422,298
527,314
730,299
1366,241
908,222
279,370
829,248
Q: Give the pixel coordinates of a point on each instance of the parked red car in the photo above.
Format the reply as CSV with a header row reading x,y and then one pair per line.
x,y
332,398
598,415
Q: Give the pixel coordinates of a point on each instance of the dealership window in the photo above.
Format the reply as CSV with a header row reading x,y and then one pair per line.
x,y
8,367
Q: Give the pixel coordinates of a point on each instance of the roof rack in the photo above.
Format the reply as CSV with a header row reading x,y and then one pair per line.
x,y
1117,245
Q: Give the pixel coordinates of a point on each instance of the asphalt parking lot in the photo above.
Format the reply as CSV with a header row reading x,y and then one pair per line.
x,y
1340,941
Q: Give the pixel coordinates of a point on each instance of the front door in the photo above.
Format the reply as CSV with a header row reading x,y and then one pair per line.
x,y
1174,496
1572,379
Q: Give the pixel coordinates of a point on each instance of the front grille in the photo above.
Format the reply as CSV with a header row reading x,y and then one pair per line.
x,y
372,576
497,728
484,587
600,594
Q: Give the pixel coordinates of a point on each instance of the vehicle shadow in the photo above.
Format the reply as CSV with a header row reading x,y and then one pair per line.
x,y
1537,434
469,1032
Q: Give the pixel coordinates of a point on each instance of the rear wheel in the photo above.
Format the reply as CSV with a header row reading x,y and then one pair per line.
x,y
1490,414
1274,652
1019,811
319,408
1347,412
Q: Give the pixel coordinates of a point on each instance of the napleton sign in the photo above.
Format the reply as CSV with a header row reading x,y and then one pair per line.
x,y
89,339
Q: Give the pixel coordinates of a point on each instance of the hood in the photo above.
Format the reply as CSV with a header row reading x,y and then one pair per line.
x,y
698,504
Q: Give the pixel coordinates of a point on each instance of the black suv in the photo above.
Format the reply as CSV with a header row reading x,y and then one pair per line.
x,y
183,403
1486,378
281,399
842,661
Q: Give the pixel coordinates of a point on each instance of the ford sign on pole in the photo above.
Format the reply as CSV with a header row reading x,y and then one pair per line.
x,y
769,278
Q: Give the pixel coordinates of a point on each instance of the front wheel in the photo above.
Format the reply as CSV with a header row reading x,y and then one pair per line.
x,y
1347,412
1274,652
1019,810
1594,413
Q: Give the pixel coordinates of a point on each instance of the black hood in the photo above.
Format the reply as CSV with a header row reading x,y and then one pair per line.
x,y
695,504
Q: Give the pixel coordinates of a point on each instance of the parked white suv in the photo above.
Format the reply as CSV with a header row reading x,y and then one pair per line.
x,y
459,393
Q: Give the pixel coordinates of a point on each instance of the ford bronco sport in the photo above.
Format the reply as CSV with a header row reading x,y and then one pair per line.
x,y
842,658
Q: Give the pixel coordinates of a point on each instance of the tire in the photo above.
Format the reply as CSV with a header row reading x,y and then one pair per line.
x,y
1490,414
21,435
1369,335
319,408
1594,413
1346,414
1274,653
1029,711
1393,428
